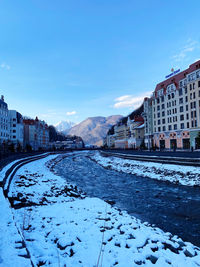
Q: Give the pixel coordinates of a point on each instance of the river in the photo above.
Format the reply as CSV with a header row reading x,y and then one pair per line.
x,y
173,208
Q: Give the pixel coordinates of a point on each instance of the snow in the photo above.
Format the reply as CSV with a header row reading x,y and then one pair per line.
x,y
185,175
63,227
10,240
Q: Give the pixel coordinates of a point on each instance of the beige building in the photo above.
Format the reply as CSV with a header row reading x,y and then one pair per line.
x,y
36,134
121,136
176,110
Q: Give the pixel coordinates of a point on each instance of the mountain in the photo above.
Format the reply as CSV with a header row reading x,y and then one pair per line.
x,y
64,126
94,129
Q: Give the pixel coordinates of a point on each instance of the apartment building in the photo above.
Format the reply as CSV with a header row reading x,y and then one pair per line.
x,y
136,132
36,134
4,129
16,128
121,135
148,122
176,110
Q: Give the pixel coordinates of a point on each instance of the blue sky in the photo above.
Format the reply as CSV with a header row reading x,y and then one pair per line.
x,y
69,60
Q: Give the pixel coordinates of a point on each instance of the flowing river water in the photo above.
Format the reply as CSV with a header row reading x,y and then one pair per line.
x,y
173,208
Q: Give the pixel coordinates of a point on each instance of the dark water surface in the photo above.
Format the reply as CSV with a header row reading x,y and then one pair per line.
x,y
173,208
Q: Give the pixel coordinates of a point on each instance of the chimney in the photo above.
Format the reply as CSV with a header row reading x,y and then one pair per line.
x,y
2,98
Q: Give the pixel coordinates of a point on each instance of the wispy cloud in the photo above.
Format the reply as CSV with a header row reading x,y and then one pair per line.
x,y
130,101
189,47
70,113
5,66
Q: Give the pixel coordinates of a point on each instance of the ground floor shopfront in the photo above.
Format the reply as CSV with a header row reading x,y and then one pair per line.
x,y
177,140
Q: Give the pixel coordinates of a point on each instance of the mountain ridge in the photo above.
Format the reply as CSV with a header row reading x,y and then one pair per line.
x,y
93,129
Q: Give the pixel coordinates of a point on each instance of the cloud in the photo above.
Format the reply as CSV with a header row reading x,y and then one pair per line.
x,y
130,101
70,113
189,47
5,66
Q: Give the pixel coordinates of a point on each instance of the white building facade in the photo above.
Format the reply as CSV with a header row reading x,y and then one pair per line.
x,y
16,127
4,126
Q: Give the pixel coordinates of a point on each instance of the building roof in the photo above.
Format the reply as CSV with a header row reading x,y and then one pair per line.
x,y
176,78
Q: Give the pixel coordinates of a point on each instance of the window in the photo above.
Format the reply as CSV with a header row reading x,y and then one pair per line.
x,y
158,129
158,108
190,87
186,107
194,104
194,95
180,91
162,98
191,105
190,95
14,131
182,117
192,124
158,101
188,125
158,115
198,83
185,90
186,99
181,100
163,121
181,108
158,122
163,113
169,127
193,85
14,125
163,128
187,116
182,125
169,97
163,106
175,126
191,114
172,95
14,136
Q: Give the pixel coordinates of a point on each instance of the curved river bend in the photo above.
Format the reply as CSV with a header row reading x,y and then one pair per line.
x,y
173,208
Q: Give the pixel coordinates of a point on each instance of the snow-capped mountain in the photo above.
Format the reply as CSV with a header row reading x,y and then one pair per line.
x,y
64,126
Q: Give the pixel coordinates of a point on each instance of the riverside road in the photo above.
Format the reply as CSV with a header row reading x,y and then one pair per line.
x,y
173,208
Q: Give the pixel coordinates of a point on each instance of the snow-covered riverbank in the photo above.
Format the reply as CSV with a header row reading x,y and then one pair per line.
x,y
63,227
185,175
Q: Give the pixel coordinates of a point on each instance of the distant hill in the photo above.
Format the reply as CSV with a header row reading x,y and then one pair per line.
x,y
94,129
64,126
